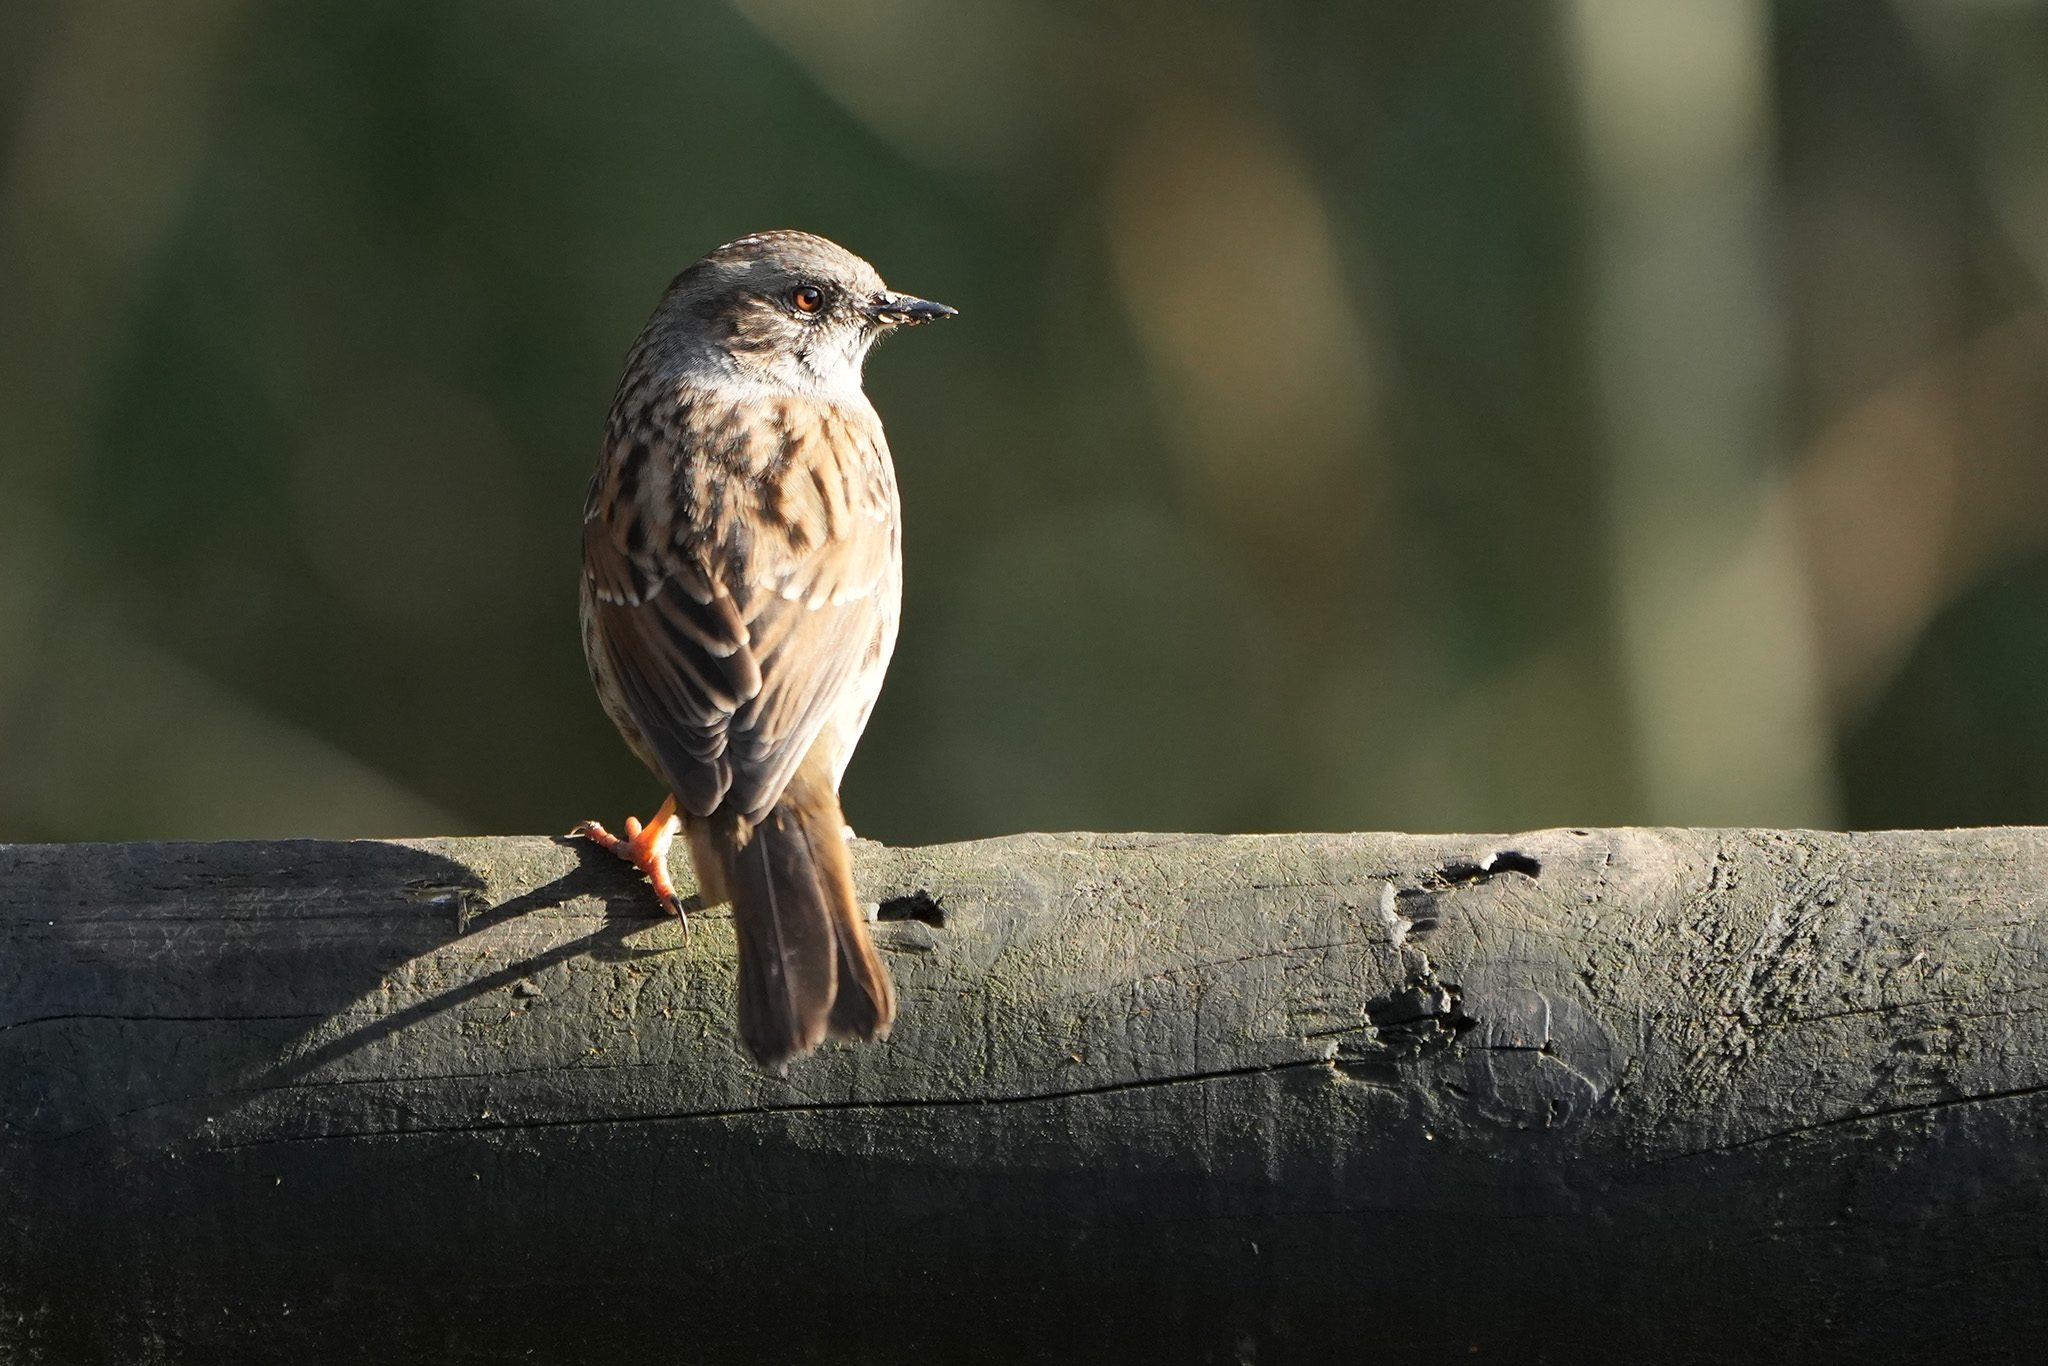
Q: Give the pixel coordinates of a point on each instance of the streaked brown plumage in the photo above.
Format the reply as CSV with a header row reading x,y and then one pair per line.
x,y
742,576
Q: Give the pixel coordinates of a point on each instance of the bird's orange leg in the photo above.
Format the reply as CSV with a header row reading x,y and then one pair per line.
x,y
646,848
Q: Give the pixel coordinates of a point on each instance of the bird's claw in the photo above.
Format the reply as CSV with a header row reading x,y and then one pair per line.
x,y
646,848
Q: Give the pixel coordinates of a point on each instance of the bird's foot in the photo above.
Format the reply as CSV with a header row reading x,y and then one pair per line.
x,y
646,848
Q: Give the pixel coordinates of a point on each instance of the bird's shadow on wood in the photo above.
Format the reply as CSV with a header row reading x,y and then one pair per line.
x,y
164,978
629,907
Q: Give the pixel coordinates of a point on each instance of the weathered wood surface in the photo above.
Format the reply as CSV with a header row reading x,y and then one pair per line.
x,y
1648,1095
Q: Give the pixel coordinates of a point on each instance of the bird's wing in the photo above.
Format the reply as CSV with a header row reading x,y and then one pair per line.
x,y
741,562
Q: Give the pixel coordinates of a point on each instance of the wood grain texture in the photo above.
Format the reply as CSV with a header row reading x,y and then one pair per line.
x,y
1643,1094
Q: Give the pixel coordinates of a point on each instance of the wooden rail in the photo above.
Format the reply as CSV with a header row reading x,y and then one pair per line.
x,y
1640,1094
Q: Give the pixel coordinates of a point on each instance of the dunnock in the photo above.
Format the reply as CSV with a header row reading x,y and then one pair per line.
x,y
742,579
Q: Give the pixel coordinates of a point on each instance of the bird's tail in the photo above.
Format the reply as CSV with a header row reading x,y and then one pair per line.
x,y
807,967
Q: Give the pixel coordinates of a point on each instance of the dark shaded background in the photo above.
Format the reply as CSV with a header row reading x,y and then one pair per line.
x,y
1464,416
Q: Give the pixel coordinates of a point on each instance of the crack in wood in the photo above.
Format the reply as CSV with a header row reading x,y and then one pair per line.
x,y
797,1108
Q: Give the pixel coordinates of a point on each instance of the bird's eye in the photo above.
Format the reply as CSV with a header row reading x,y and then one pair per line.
x,y
807,298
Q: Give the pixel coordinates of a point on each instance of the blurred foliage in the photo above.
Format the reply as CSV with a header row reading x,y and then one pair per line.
x,y
1464,416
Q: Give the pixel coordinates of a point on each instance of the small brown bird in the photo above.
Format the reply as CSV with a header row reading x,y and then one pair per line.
x,y
742,579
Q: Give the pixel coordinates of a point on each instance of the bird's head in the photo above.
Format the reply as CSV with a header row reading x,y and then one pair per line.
x,y
789,311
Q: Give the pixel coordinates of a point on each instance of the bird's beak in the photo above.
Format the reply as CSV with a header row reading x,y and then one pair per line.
x,y
895,309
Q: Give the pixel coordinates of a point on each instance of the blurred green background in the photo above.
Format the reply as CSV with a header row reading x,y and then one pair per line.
x,y
1448,416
